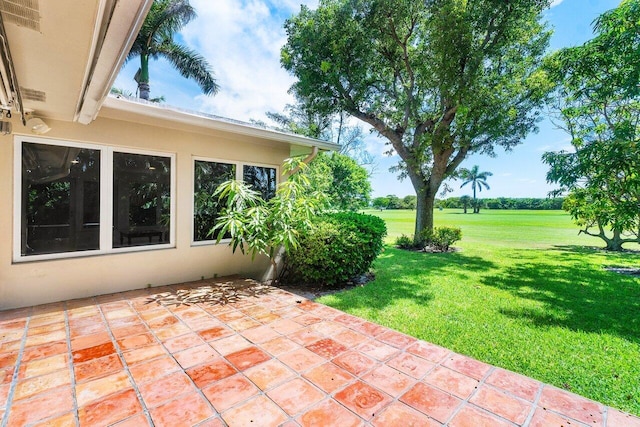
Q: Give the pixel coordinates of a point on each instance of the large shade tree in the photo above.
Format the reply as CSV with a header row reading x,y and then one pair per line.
x,y
439,79
155,39
598,100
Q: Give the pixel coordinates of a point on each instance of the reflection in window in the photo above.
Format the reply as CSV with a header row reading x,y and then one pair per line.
x,y
60,199
141,199
208,176
262,179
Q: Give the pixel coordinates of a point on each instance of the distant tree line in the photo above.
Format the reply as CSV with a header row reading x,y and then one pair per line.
x,y
409,202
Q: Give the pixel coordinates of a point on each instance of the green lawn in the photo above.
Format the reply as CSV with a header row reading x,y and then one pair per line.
x,y
524,292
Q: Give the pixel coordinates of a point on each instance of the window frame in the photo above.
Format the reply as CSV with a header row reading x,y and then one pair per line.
x,y
239,176
106,199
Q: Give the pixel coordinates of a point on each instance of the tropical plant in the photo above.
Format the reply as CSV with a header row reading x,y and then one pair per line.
x,y
268,227
477,180
598,100
155,39
438,79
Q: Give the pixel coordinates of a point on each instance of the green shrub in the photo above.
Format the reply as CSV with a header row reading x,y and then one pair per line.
x,y
337,247
405,242
442,237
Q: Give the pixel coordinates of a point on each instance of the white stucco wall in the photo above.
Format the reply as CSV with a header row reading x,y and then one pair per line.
x,y
37,282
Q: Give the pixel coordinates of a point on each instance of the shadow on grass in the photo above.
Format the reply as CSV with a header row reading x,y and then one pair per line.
x,y
406,275
576,294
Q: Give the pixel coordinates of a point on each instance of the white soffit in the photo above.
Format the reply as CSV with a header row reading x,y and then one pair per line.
x,y
67,54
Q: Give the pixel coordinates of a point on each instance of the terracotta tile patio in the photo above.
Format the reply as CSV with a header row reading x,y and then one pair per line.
x,y
242,354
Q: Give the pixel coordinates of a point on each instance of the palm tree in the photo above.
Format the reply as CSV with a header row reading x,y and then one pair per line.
x,y
478,180
165,19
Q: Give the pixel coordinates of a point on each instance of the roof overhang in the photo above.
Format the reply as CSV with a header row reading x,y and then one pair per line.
x,y
67,53
174,118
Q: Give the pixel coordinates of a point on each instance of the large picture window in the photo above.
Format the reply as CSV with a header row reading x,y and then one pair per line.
x,y
206,208
141,199
208,174
60,199
74,199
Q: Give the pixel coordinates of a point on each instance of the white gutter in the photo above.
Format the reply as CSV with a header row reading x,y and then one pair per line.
x,y
203,121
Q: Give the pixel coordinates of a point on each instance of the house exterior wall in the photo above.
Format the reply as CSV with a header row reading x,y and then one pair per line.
x,y
37,282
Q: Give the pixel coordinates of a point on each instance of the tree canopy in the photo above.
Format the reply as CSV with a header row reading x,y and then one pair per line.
x,y
439,79
155,39
344,182
598,101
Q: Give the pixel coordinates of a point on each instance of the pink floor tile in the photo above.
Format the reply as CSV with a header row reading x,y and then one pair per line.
x,y
257,411
389,380
187,410
521,386
431,401
501,403
577,407
296,395
166,388
474,417
363,399
229,391
329,377
269,374
452,382
111,409
329,413
327,348
399,414
195,355
269,359
247,358
210,372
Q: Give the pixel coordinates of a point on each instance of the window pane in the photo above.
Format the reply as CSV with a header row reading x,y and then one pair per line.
x,y
141,199
60,199
262,179
208,176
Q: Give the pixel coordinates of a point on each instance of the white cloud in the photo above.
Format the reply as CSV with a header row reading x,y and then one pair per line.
x,y
555,3
242,41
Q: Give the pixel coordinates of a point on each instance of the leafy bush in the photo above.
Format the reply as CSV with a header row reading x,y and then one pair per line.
x,y
335,248
405,242
442,237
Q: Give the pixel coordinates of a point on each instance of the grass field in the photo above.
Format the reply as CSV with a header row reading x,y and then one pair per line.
x,y
524,292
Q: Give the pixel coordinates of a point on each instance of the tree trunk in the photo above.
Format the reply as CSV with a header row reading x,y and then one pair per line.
x,y
614,243
143,90
143,77
424,214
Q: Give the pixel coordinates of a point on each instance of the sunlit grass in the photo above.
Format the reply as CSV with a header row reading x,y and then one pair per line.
x,y
524,292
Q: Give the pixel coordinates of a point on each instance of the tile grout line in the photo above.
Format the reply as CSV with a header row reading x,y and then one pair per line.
x,y
145,410
16,372
72,370
170,354
536,399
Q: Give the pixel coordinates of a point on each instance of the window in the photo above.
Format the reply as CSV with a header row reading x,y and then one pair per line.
x,y
60,199
206,208
74,199
262,179
208,174
141,199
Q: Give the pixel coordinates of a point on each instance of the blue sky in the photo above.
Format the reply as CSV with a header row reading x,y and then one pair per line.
x,y
242,40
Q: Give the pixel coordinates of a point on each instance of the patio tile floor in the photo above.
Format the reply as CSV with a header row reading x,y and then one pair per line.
x,y
251,355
